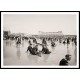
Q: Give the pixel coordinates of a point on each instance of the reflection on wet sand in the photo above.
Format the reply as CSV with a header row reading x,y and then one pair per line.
x,y
32,58
18,51
45,57
16,54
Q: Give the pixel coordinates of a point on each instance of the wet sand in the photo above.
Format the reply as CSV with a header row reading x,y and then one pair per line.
x,y
16,55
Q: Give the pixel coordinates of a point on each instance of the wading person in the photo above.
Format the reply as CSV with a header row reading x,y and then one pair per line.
x,y
34,50
45,50
30,48
75,41
68,41
53,43
29,42
19,40
34,41
44,41
64,42
64,61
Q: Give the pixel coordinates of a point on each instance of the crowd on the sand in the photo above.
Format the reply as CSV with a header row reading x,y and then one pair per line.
x,y
33,46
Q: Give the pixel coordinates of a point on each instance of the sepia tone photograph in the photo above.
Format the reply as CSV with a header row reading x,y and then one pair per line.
x,y
40,39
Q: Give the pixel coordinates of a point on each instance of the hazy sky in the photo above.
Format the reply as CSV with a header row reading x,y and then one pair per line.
x,y
32,23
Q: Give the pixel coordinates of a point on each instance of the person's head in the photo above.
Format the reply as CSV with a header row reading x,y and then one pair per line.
x,y
68,57
30,44
36,46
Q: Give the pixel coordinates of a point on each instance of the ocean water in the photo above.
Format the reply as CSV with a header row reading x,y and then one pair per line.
x,y
14,55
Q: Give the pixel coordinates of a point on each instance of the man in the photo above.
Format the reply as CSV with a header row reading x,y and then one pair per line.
x,y
34,41
34,50
19,40
52,43
44,41
29,42
45,50
30,48
64,61
68,41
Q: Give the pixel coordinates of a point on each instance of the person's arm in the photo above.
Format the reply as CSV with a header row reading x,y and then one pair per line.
x,y
60,63
67,63
27,49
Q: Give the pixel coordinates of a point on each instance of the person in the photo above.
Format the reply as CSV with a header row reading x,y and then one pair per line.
x,y
45,50
44,41
53,43
59,40
19,40
64,42
75,41
30,48
68,41
29,42
64,61
34,41
34,50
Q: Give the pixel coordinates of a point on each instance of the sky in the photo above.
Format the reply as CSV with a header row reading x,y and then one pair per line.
x,y
33,23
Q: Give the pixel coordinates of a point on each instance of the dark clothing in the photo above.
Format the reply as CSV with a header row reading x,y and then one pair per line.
x,y
68,42
30,49
29,42
44,42
19,41
45,51
59,40
75,41
63,62
52,44
33,50
34,41
64,42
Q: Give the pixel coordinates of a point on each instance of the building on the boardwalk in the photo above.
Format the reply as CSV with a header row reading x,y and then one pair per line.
x,y
51,34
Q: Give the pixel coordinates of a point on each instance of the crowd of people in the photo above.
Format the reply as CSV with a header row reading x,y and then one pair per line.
x,y
33,45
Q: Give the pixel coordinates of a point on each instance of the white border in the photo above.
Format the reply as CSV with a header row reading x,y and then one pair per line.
x,y
39,13
77,19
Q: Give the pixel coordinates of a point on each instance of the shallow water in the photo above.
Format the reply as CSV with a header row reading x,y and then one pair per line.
x,y
17,55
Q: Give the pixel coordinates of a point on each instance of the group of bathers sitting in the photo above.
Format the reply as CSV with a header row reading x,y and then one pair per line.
x,y
34,50
45,50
